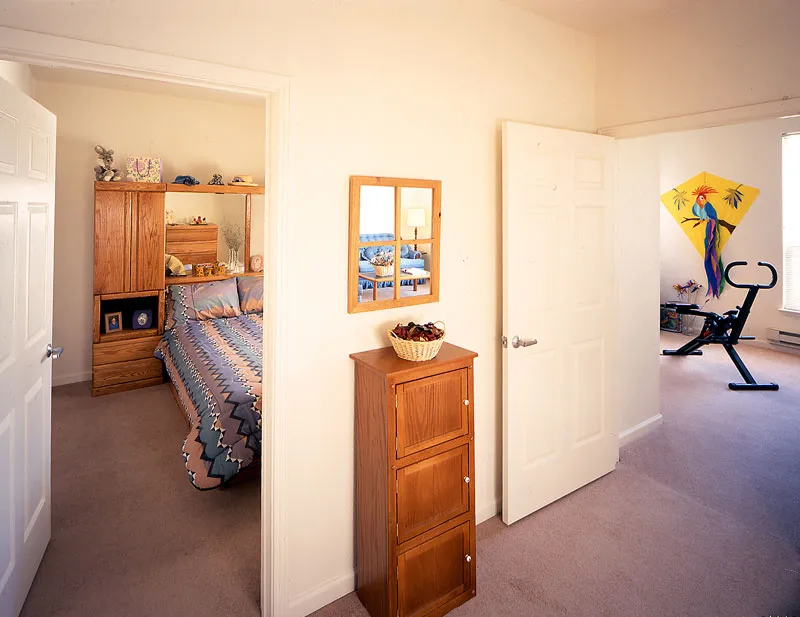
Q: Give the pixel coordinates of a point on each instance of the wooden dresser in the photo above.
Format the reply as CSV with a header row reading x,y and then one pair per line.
x,y
415,498
128,275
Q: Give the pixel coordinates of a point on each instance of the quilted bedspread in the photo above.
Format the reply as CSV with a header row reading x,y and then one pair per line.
x,y
215,367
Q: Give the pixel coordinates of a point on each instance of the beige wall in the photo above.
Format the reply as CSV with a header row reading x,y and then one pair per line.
x,y
699,59
18,75
191,136
408,89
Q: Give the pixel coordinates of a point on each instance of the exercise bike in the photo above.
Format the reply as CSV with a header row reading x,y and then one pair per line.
x,y
726,329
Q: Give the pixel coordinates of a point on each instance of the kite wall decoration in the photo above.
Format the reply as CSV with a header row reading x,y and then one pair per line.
x,y
708,209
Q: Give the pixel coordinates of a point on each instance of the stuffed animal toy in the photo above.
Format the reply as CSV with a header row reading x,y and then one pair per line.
x,y
106,171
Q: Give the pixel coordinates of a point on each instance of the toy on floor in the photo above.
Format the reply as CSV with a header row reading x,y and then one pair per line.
x,y
726,330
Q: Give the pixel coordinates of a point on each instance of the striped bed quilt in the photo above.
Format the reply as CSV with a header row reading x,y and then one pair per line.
x,y
215,367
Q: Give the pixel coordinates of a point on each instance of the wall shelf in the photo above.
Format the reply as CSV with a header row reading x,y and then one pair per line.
x,y
218,189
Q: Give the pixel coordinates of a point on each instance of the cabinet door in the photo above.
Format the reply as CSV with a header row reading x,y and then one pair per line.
x,y
147,255
112,242
431,411
432,492
434,573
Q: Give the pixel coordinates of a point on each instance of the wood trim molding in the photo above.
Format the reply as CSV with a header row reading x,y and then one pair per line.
x,y
60,52
769,110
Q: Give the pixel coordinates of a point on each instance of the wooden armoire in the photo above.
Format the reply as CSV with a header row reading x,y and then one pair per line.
x,y
415,494
128,275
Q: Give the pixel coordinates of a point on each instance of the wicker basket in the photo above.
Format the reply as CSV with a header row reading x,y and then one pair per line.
x,y
416,351
384,270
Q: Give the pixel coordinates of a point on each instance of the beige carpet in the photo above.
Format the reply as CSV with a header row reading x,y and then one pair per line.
x,y
131,536
701,517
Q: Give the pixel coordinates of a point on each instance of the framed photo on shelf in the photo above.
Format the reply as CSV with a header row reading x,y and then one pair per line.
x,y
113,322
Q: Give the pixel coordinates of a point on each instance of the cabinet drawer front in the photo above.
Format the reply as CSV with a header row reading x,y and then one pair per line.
x,y
432,492
434,573
196,233
431,411
123,372
124,351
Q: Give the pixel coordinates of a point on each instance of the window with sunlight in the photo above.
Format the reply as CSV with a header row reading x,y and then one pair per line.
x,y
791,222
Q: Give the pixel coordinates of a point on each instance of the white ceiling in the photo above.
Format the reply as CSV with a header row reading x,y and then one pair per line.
x,y
134,84
598,17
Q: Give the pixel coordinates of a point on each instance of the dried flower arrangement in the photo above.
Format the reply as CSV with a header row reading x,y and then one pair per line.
x,y
383,263
233,235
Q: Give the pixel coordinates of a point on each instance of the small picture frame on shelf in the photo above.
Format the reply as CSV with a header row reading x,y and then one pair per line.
x,y
113,322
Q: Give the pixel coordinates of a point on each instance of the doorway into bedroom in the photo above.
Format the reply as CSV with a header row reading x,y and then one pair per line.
x,y
155,479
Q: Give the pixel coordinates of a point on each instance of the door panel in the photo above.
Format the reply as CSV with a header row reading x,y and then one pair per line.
x,y
558,288
433,573
431,411
432,492
8,257
112,221
148,242
27,191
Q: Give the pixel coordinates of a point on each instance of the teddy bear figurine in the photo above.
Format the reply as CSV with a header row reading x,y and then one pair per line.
x,y
106,172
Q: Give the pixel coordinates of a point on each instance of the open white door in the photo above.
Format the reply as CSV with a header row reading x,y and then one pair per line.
x,y
558,297
27,193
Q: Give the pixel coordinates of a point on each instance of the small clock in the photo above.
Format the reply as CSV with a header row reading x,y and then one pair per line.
x,y
142,319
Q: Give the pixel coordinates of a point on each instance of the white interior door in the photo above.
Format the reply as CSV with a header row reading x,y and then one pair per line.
x,y
27,191
558,289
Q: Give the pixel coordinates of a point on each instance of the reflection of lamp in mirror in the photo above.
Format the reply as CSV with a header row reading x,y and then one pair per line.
x,y
415,217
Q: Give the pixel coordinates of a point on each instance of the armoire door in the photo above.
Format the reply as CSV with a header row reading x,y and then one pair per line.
x,y
148,241
112,242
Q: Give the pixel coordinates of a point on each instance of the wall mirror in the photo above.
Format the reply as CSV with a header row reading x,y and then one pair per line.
x,y
394,242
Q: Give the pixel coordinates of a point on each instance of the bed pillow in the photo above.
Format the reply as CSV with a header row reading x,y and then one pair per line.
x,y
202,301
251,293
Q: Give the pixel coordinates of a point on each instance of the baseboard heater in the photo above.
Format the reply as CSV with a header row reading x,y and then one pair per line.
x,y
782,337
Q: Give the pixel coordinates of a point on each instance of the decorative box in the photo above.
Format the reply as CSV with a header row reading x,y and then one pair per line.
x,y
142,319
144,169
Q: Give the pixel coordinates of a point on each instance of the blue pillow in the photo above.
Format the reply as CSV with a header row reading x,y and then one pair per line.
x,y
406,251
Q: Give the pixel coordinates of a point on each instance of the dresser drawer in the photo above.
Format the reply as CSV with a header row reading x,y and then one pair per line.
x,y
431,411
123,372
432,492
124,351
434,573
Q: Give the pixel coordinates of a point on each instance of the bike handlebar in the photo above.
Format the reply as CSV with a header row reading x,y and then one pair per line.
x,y
763,264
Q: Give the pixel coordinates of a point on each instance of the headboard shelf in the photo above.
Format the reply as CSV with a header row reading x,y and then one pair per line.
x,y
191,280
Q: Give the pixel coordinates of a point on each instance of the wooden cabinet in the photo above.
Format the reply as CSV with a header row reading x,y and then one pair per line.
x,y
128,237
415,494
128,275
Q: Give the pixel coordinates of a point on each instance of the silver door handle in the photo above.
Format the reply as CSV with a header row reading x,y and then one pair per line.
x,y
54,352
518,342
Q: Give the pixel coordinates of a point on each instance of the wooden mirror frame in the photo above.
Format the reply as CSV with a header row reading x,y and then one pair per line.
x,y
356,182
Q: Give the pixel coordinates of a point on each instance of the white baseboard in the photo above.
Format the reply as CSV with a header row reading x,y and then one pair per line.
x,y
322,595
488,511
772,347
63,380
640,430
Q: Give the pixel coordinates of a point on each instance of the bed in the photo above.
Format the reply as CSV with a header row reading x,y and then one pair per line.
x,y
212,351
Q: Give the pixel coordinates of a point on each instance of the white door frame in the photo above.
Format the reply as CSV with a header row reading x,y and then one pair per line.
x,y
59,52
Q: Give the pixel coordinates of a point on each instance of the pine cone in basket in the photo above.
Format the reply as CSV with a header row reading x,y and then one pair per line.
x,y
418,332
